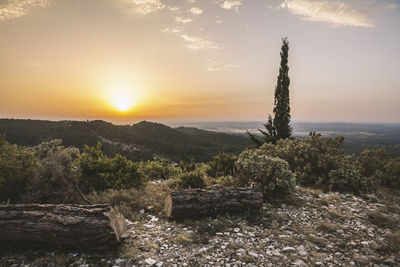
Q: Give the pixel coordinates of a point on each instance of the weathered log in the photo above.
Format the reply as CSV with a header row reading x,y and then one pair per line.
x,y
91,227
193,203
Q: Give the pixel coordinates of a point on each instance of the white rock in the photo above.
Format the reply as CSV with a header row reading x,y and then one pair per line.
x,y
289,249
150,261
253,254
298,263
159,264
236,230
241,251
149,225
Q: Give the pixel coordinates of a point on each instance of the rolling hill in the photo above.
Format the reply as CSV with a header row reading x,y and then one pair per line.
x,y
140,141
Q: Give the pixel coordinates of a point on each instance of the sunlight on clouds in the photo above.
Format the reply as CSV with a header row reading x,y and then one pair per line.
x,y
172,30
196,11
183,20
199,43
216,66
336,13
145,6
17,8
232,4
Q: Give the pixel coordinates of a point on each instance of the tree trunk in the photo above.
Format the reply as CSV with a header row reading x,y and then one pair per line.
x,y
192,203
92,227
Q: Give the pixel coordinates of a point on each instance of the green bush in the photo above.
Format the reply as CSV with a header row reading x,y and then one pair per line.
x,y
389,176
188,166
100,172
58,172
373,161
311,159
191,179
17,168
156,170
222,165
347,177
272,173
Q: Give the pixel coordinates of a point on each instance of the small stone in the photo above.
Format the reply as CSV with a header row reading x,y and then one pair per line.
x,y
340,231
289,250
159,264
253,254
236,230
141,211
241,251
298,263
149,226
150,261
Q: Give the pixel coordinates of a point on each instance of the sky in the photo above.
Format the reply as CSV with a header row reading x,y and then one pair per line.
x,y
128,60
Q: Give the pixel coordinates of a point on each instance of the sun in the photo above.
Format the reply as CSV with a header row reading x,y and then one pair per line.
x,y
123,98
121,103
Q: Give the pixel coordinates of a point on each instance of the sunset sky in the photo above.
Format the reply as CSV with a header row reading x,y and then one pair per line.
x,y
125,60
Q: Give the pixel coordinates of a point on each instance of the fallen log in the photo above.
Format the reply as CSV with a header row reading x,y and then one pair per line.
x,y
90,227
194,203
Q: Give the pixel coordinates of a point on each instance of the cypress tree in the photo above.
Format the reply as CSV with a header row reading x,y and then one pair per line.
x,y
279,126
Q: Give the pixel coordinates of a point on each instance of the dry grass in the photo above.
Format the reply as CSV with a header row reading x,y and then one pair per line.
x,y
149,197
320,242
183,238
327,227
380,219
394,241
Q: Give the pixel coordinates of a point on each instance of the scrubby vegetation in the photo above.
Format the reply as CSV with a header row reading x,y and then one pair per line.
x,y
52,173
17,168
271,173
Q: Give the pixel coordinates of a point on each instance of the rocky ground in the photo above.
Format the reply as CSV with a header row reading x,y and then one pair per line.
x,y
317,229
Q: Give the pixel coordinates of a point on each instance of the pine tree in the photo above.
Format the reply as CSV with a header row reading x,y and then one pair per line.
x,y
279,126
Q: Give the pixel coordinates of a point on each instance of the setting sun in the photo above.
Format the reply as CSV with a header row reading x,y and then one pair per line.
x,y
123,98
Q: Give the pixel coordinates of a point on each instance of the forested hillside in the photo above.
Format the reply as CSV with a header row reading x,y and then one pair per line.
x,y
140,141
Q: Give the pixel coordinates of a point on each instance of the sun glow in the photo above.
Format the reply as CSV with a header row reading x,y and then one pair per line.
x,y
123,98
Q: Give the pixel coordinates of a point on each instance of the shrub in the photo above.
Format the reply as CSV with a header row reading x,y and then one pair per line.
x,y
311,159
223,164
226,181
17,168
271,173
347,178
156,170
188,166
191,179
57,175
100,172
373,161
389,176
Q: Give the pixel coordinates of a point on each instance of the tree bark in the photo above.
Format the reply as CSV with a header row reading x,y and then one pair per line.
x,y
91,227
194,203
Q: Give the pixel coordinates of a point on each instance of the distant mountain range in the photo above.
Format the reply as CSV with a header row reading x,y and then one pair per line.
x,y
140,141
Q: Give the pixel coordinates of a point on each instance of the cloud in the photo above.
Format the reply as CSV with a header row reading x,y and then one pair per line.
x,y
183,20
144,6
336,13
17,8
199,43
196,11
173,30
216,66
229,4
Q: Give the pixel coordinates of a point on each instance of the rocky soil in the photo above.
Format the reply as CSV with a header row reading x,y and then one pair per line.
x,y
317,229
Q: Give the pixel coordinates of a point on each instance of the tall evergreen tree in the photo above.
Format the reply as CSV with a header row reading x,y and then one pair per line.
x,y
279,126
